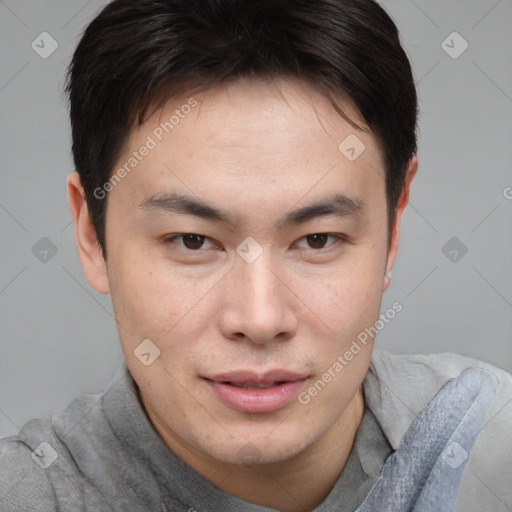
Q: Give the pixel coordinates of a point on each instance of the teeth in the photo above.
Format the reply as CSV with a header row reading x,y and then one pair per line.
x,y
245,385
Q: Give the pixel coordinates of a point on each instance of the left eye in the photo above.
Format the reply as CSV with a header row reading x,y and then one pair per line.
x,y
318,240
194,242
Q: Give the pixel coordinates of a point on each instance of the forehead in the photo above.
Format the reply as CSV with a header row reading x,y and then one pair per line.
x,y
250,137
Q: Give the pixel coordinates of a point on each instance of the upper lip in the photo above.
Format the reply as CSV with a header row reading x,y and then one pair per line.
x,y
254,378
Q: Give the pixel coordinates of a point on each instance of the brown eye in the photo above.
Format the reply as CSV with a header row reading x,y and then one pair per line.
x,y
317,241
190,241
193,241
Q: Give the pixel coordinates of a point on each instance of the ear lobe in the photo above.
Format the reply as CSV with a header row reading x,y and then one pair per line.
x,y
89,250
387,281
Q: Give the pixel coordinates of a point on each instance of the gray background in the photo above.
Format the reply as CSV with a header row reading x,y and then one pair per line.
x,y
58,335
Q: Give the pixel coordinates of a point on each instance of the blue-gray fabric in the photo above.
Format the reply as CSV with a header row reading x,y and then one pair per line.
x,y
425,472
420,428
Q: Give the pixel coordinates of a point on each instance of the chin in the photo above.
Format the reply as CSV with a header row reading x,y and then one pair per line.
x,y
265,448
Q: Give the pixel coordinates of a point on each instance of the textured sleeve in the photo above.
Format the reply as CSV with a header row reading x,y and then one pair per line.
x,y
24,484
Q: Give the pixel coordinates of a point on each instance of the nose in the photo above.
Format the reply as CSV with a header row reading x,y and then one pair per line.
x,y
258,304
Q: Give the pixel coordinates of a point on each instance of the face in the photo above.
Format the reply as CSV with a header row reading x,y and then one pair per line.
x,y
255,288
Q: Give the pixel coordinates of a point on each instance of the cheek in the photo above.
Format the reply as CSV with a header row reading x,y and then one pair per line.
x,y
154,301
349,299
148,295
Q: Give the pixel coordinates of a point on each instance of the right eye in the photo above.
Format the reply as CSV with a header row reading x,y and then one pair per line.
x,y
190,241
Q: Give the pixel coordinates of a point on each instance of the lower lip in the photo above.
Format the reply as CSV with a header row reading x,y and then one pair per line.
x,y
257,401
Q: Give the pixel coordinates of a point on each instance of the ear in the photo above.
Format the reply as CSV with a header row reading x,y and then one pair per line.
x,y
395,233
89,250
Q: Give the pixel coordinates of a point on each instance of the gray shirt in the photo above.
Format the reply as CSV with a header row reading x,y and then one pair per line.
x,y
102,454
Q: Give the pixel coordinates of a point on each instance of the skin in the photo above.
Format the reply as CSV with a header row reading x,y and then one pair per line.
x,y
257,150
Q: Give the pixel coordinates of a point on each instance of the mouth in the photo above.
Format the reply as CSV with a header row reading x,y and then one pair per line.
x,y
247,385
250,393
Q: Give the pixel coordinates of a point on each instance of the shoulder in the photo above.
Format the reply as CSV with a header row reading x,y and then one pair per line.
x,y
71,461
407,383
418,377
38,470
25,479
444,365
403,385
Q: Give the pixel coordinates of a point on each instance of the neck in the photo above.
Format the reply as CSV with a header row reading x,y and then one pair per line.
x,y
296,485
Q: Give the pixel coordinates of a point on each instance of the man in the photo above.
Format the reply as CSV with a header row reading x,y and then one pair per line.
x,y
242,171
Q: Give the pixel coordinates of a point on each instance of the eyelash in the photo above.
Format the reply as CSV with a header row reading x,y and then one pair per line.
x,y
340,239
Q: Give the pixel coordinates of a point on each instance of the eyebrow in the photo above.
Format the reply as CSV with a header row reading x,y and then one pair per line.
x,y
339,205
